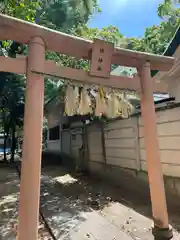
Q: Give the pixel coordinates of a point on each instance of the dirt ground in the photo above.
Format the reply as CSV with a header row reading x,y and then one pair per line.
x,y
79,208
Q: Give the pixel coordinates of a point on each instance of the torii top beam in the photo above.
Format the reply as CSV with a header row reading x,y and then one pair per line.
x,y
21,31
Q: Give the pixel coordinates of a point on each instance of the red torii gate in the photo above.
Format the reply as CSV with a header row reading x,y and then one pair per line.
x,y
102,55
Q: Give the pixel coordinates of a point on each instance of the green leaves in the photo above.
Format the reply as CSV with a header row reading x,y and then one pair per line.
x,y
11,98
71,16
65,15
170,11
57,14
24,9
109,34
165,8
168,8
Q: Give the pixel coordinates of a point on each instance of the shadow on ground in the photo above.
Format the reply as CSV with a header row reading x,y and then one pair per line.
x,y
80,207
9,192
71,197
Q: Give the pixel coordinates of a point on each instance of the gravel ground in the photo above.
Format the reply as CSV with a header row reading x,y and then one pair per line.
x,y
122,209
9,195
79,208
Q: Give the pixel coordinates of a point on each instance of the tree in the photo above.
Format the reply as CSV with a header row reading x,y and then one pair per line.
x,y
109,34
155,39
25,9
71,17
57,14
65,15
169,10
12,107
11,88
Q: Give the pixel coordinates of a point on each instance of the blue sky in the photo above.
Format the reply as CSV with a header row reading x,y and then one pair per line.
x,y
130,16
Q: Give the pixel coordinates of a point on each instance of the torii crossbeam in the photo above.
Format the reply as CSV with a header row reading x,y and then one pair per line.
x,y
101,56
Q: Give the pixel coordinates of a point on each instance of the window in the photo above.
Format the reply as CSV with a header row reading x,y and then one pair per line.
x,y
54,133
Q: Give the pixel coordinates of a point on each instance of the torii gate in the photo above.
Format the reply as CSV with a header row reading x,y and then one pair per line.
x,y
102,55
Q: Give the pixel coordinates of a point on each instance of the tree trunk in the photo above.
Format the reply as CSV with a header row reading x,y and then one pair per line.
x,y
4,147
6,134
13,144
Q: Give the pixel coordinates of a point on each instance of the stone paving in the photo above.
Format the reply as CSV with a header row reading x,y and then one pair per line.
x,y
67,203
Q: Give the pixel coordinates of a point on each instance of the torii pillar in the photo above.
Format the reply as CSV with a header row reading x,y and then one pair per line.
x,y
161,228
32,143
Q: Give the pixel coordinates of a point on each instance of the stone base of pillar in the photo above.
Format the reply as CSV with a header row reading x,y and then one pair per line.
x,y
162,233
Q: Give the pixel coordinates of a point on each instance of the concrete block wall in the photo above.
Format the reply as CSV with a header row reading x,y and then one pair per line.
x,y
126,158
121,143
66,142
124,141
54,145
125,146
95,150
76,141
168,124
